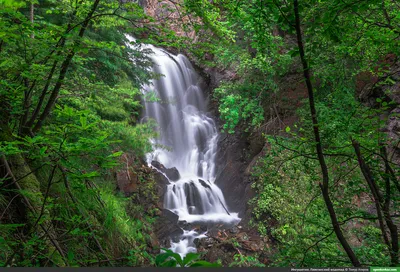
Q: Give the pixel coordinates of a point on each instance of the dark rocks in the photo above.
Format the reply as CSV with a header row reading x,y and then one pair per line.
x,y
127,178
158,165
172,217
233,159
202,182
394,125
171,173
234,230
193,199
223,244
205,242
196,242
166,228
162,182
185,225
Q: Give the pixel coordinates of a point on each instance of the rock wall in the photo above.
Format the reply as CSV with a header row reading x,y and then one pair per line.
x,y
238,153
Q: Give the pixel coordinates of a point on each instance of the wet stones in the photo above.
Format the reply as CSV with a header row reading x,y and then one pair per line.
x,y
193,199
224,243
167,229
204,184
234,230
172,217
171,173
185,225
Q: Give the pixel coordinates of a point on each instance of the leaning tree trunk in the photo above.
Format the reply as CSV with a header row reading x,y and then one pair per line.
x,y
29,188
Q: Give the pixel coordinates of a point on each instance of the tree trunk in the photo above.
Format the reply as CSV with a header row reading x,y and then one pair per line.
x,y
64,68
31,15
29,186
325,175
383,203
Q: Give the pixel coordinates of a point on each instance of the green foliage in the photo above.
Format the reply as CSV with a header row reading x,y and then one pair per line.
x,y
88,207
245,261
289,207
234,107
171,259
254,58
65,151
342,42
70,107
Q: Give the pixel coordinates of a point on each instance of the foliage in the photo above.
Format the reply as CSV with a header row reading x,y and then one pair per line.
x,y
171,259
69,87
245,261
289,208
342,42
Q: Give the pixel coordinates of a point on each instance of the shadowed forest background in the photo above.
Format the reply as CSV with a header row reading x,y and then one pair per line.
x,y
305,93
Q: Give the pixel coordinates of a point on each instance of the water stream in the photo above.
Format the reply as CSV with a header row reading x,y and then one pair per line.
x,y
191,138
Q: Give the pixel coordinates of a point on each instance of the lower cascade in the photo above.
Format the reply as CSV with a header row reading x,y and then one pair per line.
x,y
187,142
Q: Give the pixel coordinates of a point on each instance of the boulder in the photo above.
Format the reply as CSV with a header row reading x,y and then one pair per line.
x,y
161,186
193,198
127,181
234,230
171,216
171,173
185,225
166,228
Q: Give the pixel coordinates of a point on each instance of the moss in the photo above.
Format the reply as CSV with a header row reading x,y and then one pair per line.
x,y
30,188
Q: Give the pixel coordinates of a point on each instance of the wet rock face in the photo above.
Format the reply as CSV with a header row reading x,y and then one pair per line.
x,y
170,216
193,199
204,184
234,156
171,173
166,228
233,174
162,183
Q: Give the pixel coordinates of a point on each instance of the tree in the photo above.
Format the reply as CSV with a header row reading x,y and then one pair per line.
x,y
318,145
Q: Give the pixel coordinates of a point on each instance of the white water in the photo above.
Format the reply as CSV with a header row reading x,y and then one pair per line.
x,y
191,137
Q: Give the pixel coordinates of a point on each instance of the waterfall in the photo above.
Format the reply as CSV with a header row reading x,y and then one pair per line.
x,y
188,141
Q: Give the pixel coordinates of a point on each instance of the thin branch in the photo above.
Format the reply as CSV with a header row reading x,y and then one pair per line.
x,y
315,244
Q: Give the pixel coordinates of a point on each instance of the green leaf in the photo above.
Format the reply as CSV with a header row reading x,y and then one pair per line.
x,y
116,154
204,264
169,253
169,263
83,121
43,150
287,129
293,53
190,257
70,256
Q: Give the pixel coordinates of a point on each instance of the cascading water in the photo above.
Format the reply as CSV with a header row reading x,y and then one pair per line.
x,y
191,139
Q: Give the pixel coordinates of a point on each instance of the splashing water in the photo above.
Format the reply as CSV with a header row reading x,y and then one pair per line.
x,y
191,137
